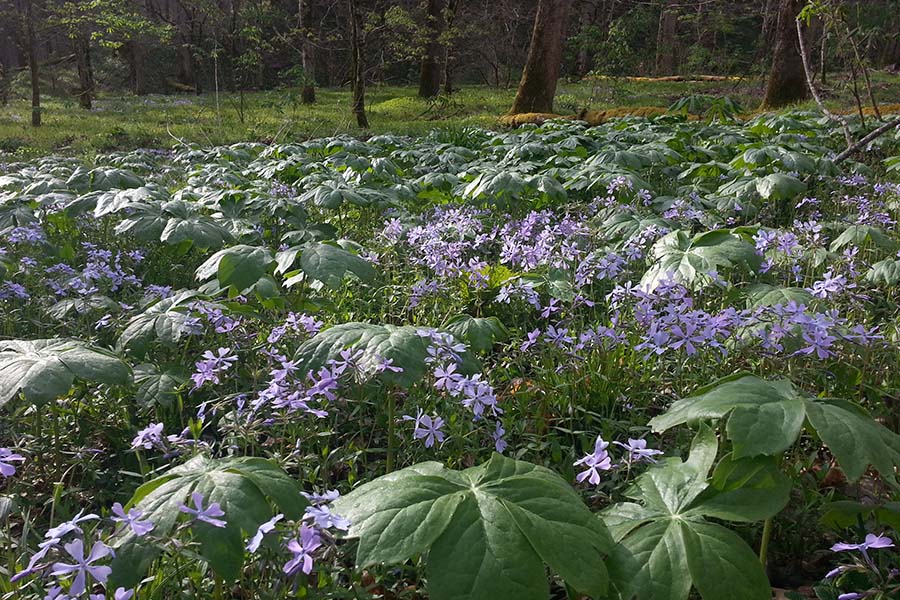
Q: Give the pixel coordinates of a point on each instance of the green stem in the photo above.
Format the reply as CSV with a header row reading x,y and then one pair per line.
x,y
764,543
391,407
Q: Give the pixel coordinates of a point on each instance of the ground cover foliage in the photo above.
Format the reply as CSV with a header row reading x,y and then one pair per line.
x,y
631,360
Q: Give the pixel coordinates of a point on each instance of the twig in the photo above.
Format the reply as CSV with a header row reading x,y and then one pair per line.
x,y
815,94
866,140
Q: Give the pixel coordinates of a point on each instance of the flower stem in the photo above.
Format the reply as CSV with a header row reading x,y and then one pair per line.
x,y
391,407
764,543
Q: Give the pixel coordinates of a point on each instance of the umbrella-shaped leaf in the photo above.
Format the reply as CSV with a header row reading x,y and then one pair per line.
x,y
403,345
666,546
44,370
765,417
242,486
238,267
331,264
488,530
688,259
480,333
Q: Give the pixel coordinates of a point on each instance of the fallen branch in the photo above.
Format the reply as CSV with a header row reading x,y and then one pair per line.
x,y
866,140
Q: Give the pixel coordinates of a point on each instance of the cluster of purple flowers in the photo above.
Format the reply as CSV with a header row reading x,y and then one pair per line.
x,y
600,459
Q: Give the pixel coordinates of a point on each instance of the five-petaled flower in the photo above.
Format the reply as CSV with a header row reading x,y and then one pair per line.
x,y
84,566
208,514
302,548
595,462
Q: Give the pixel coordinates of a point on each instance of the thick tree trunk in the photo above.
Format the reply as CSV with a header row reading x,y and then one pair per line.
x,y
82,47
450,16
430,73
357,69
33,67
538,85
665,42
787,81
307,56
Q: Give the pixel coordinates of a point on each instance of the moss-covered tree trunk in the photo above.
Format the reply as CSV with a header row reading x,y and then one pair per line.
x,y
430,72
357,68
538,84
787,80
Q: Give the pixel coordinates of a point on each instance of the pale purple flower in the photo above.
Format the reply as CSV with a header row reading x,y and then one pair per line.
x,y
427,427
84,566
7,457
131,520
638,450
261,531
598,460
497,435
302,548
208,514
69,526
149,437
323,518
871,541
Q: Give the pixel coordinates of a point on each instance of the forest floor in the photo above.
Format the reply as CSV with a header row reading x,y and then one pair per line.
x,y
154,121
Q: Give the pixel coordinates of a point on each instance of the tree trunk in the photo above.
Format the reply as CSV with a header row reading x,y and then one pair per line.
x,y
665,42
538,84
787,81
307,57
4,85
33,67
430,73
136,71
357,69
82,47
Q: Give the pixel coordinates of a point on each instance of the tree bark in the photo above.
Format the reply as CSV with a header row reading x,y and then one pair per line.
x,y
450,16
33,66
538,84
307,57
787,81
430,72
82,47
665,42
357,69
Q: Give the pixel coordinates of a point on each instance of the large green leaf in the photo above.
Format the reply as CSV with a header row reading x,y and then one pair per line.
x,y
238,267
665,545
242,486
403,345
689,259
885,272
779,186
44,370
487,530
166,320
331,264
863,236
766,418
480,333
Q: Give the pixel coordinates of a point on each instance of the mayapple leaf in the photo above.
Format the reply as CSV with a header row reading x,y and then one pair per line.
x,y
766,417
403,345
480,333
243,487
666,546
689,259
44,370
331,264
487,530
238,267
